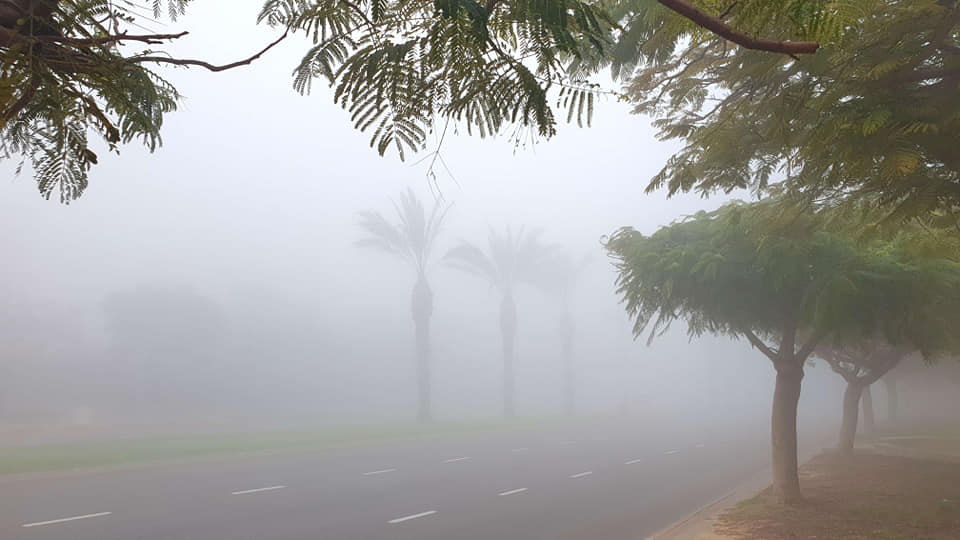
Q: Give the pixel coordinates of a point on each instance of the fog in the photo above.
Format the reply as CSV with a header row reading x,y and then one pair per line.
x,y
217,282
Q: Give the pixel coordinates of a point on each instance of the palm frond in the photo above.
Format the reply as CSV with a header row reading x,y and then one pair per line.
x,y
412,236
471,259
382,234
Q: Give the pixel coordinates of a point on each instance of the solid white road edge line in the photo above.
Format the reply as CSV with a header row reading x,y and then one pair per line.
x,y
382,471
452,460
581,475
511,492
63,520
244,492
414,516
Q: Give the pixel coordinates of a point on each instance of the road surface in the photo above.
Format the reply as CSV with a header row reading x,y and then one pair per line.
x,y
609,480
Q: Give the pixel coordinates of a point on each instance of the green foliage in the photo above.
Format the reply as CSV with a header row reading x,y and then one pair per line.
x,y
399,66
871,116
652,35
864,362
754,268
412,237
62,77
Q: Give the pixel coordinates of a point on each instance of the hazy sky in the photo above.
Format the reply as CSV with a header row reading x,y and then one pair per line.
x,y
252,203
253,176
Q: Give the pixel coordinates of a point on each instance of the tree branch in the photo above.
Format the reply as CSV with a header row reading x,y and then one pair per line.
x,y
885,367
758,343
837,367
807,348
31,90
150,39
201,63
717,26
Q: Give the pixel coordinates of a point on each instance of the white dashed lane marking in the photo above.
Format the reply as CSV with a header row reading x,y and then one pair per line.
x,y
519,449
511,492
581,475
64,520
671,452
453,460
633,462
258,490
381,471
414,516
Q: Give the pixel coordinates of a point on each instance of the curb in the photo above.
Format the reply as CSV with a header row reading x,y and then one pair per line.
x,y
699,523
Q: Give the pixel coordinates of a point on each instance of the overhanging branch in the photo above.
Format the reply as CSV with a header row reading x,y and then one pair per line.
x,y
717,26
203,64
150,39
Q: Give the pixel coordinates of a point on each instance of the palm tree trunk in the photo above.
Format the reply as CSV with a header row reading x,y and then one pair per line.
x,y
422,309
508,331
851,410
869,425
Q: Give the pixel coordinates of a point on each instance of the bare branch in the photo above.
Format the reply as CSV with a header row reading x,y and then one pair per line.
x,y
717,26
150,39
201,63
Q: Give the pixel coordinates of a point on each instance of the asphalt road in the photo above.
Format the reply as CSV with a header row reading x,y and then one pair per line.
x,y
610,480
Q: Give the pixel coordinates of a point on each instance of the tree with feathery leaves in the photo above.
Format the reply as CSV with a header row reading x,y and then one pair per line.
x,y
787,281
398,66
66,73
873,115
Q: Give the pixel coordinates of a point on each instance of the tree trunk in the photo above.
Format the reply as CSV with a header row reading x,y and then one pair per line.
x,y
422,308
893,399
783,433
508,331
869,425
851,410
566,329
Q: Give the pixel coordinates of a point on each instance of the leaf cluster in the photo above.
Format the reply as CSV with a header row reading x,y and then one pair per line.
x,y
411,237
872,116
754,268
399,66
63,79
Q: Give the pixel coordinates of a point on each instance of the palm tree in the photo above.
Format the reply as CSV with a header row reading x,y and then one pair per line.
x,y
562,282
512,258
412,239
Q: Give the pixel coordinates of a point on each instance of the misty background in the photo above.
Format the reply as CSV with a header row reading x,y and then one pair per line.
x,y
216,282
